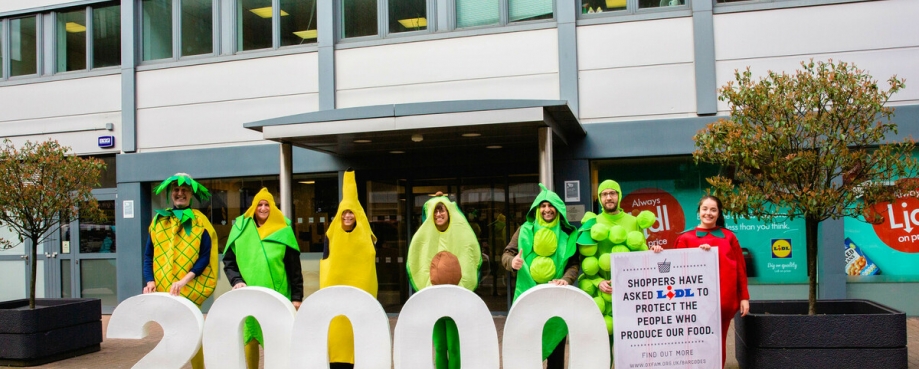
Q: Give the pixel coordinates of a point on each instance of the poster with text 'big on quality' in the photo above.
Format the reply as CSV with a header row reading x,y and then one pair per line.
x,y
666,309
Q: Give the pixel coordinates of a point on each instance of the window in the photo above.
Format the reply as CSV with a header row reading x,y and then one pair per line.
x,y
358,18
2,52
257,28
407,15
600,6
195,34
72,35
23,47
474,13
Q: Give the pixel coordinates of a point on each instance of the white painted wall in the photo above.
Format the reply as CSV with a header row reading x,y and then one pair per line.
x,y
227,81
206,105
14,5
636,69
214,124
73,111
881,37
518,65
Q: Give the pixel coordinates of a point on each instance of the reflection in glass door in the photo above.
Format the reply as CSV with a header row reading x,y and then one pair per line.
x,y
385,208
85,260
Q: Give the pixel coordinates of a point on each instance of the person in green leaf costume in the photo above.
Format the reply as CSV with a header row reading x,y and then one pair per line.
x,y
541,252
612,231
180,256
262,251
444,250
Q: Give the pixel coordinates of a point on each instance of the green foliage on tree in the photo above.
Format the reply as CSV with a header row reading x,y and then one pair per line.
x,y
812,145
41,186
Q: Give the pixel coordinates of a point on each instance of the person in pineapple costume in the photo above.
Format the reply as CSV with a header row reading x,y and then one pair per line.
x,y
541,252
612,231
349,259
444,250
262,251
180,256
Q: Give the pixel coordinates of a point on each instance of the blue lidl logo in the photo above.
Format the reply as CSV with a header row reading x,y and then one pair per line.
x,y
781,248
672,293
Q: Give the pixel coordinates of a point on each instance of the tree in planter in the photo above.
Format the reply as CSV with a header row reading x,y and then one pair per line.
x,y
810,145
41,186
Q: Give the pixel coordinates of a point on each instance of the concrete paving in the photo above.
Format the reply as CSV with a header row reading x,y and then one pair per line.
x,y
120,353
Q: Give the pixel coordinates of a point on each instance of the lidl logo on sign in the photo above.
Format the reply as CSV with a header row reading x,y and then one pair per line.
x,y
781,248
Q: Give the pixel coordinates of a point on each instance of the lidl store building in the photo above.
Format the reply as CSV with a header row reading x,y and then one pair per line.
x,y
481,100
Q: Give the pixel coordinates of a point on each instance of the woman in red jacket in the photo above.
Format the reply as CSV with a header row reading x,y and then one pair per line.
x,y
733,271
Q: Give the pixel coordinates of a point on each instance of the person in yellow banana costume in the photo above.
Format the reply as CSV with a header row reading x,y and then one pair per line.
x,y
348,260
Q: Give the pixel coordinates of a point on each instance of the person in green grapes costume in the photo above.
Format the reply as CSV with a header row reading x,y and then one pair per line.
x,y
612,231
541,252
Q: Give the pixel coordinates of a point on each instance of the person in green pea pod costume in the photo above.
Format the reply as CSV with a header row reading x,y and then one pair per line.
x,y
444,250
612,231
541,252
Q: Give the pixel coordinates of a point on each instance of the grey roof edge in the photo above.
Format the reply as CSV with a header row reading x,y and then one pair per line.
x,y
409,109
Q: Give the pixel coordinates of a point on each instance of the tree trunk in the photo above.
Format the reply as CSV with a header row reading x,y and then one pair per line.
x,y
33,270
811,226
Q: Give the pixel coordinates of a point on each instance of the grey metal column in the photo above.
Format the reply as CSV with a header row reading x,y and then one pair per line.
x,y
128,78
545,157
704,45
286,177
325,25
566,16
831,264
132,231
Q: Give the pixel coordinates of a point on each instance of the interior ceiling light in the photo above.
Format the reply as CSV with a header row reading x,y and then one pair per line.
x,y
362,141
266,12
308,182
413,23
417,137
493,147
397,152
306,35
471,134
74,27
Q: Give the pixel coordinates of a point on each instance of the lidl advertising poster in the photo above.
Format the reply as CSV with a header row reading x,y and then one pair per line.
x,y
888,247
774,251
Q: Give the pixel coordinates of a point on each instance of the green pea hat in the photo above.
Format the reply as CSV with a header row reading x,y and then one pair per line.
x,y
607,185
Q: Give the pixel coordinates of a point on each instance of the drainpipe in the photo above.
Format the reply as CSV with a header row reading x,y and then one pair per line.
x,y
286,176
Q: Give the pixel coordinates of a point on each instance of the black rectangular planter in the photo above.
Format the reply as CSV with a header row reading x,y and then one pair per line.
x,y
56,329
844,334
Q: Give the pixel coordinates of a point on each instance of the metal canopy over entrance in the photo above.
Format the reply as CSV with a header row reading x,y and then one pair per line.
x,y
421,128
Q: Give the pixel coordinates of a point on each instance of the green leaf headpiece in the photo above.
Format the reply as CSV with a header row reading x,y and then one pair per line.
x,y
200,192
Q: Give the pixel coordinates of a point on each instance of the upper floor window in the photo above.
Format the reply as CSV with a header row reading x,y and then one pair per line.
x,y
195,35
265,24
473,13
87,38
600,6
23,46
360,18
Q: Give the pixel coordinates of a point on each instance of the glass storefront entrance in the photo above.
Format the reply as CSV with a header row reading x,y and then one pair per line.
x,y
494,205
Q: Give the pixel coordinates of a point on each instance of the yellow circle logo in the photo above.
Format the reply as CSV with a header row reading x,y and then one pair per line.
x,y
781,248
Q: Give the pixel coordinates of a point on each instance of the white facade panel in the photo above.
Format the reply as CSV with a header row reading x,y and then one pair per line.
x,y
880,64
635,92
541,86
243,79
456,59
79,132
210,124
61,98
630,44
801,31
14,5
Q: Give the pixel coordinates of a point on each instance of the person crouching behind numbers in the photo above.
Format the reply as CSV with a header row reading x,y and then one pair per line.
x,y
262,251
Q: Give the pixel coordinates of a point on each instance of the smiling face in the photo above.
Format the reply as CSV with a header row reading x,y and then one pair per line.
x,y
609,198
547,212
181,196
347,220
261,211
708,213
441,217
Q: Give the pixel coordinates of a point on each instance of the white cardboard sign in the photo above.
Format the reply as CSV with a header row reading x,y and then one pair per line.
x,y
666,309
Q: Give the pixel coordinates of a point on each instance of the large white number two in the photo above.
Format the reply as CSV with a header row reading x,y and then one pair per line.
x,y
181,321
